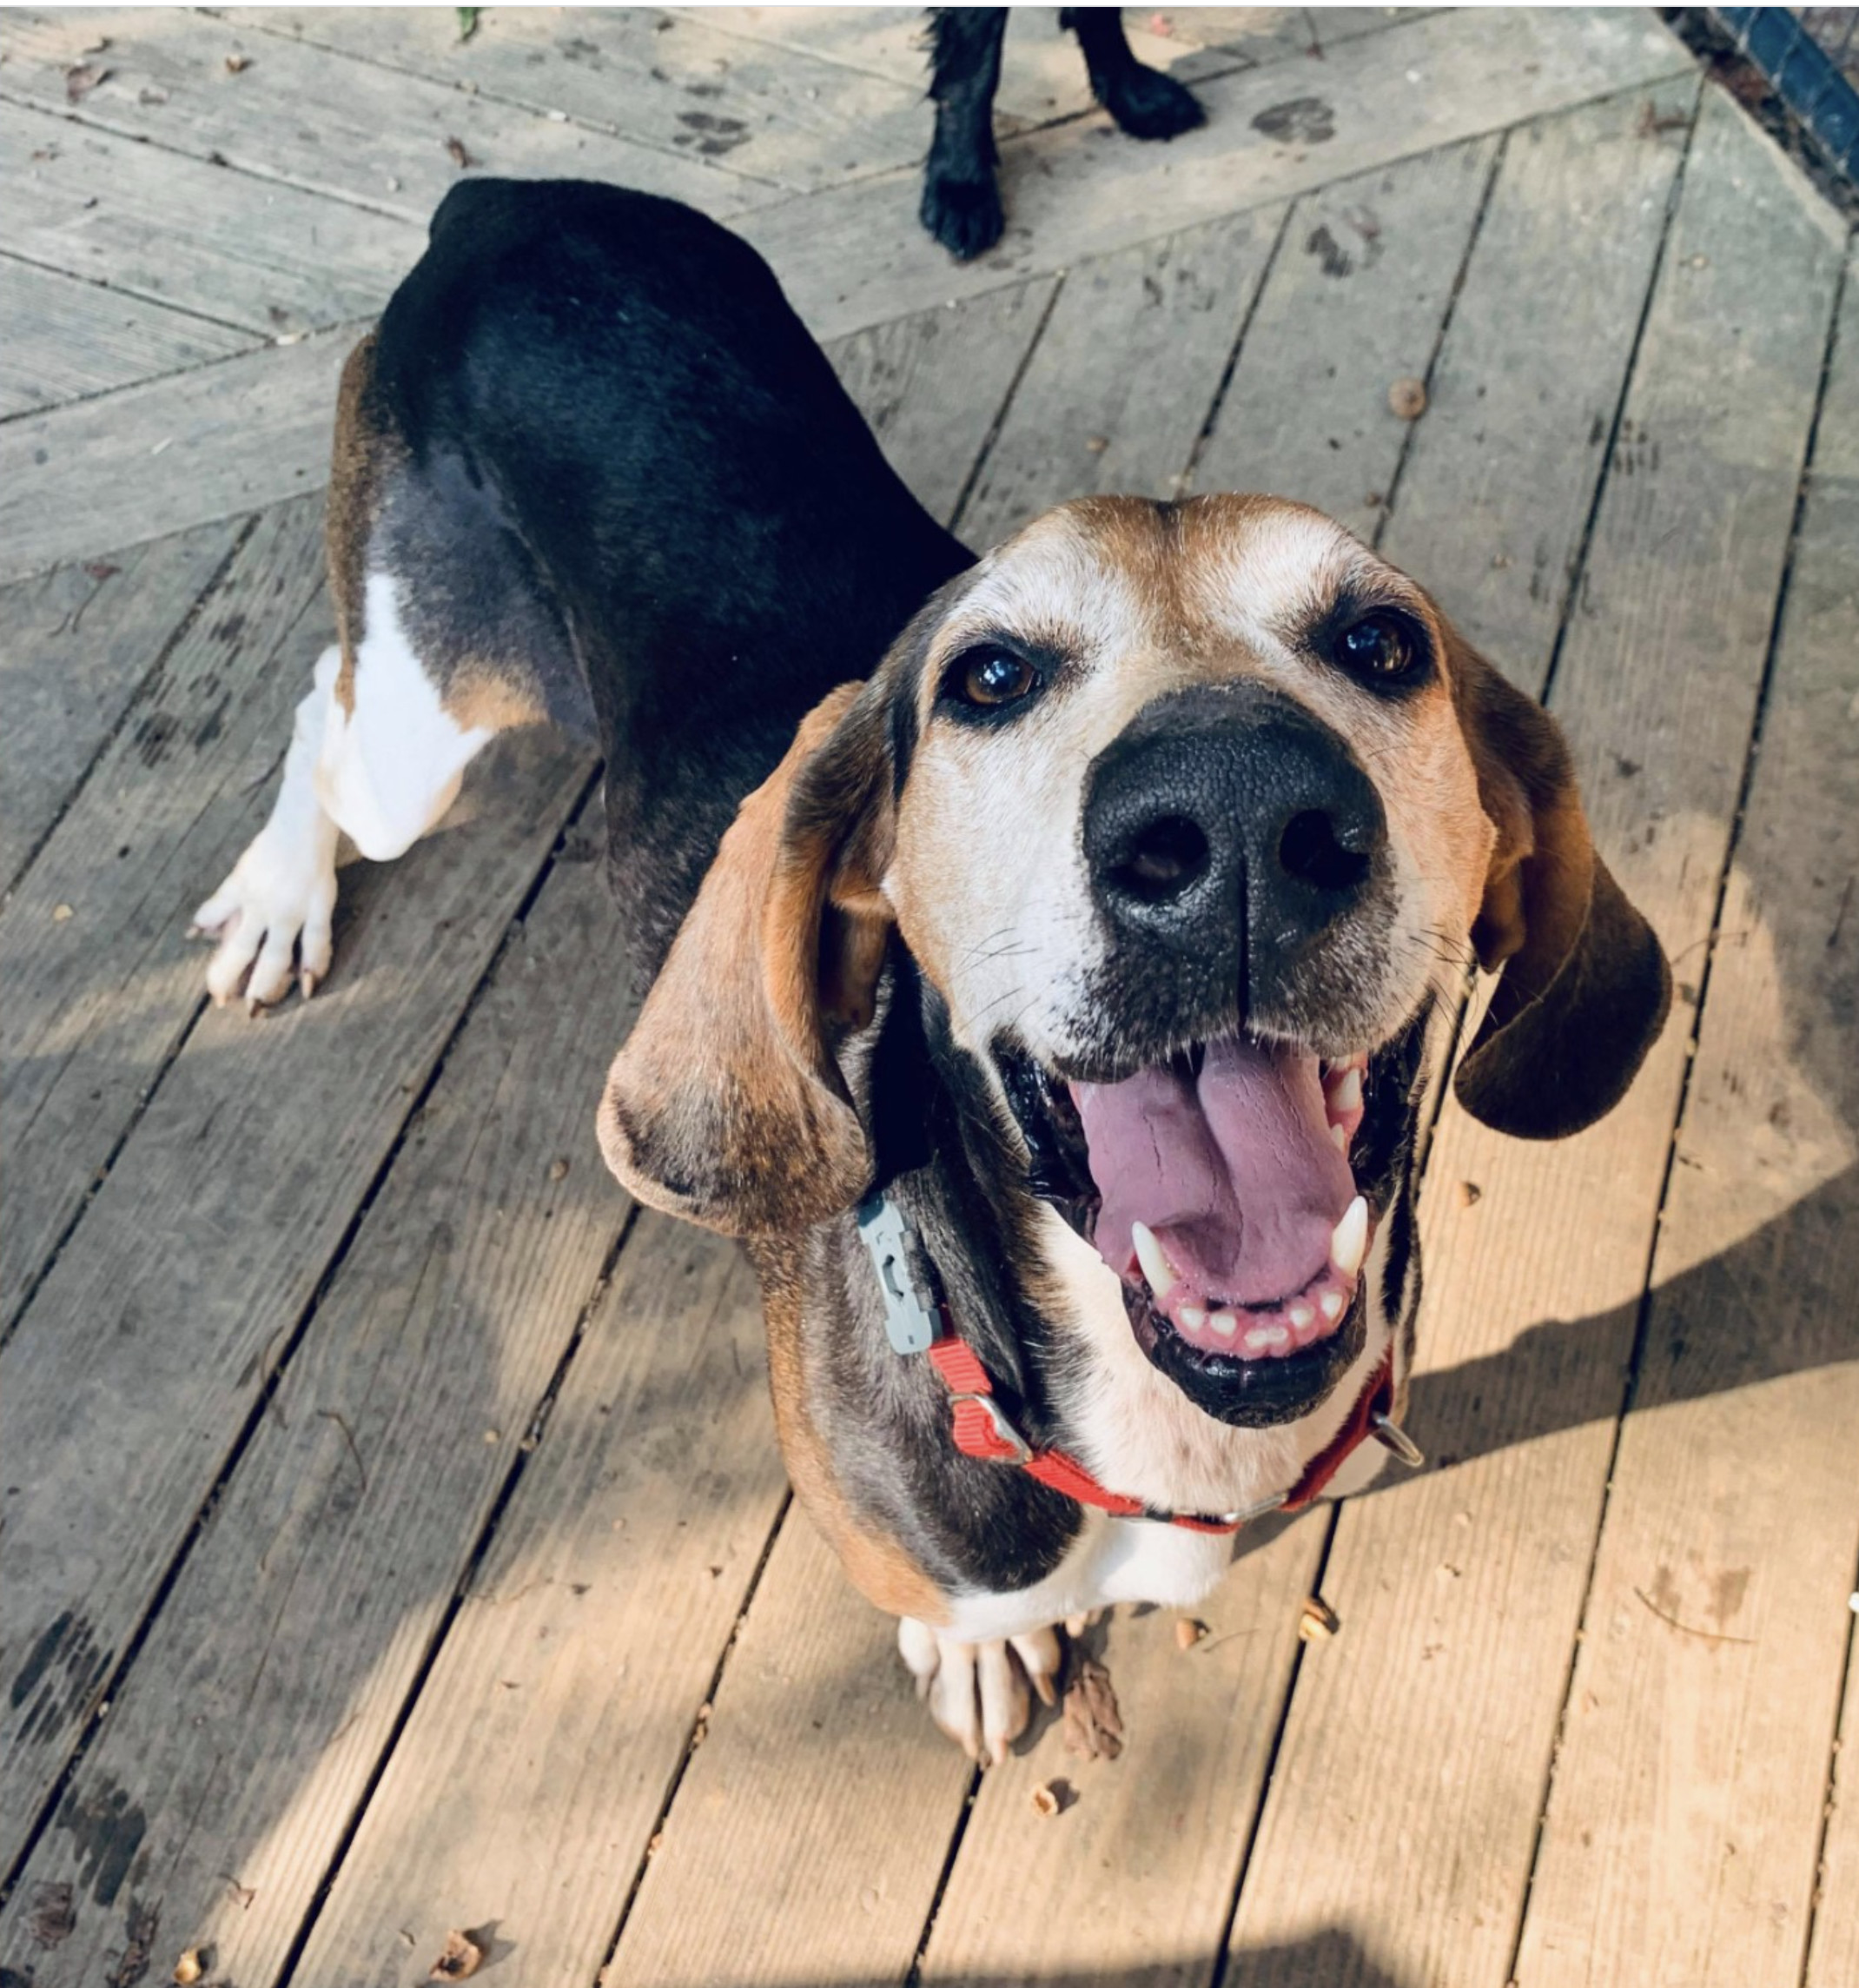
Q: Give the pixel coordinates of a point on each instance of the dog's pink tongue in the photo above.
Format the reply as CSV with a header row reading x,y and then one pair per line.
x,y
1235,1170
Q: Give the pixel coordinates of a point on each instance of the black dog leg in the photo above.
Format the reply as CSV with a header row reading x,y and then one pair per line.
x,y
1145,102
961,204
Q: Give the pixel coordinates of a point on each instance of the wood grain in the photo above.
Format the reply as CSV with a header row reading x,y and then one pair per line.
x,y
849,254
218,442
1684,1827
131,1375
670,82
1355,300
1427,1750
62,339
154,224
931,385
358,133
576,1668
1499,482
1134,1876
101,985
810,1827
1109,400
76,647
256,1712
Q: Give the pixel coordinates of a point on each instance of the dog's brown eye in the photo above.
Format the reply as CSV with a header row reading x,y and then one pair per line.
x,y
994,677
1378,646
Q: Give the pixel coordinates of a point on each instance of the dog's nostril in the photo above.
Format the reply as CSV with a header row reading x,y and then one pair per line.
x,y
1162,860
1309,851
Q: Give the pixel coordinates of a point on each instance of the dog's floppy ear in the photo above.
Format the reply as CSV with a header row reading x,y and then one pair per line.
x,y
1585,988
726,1106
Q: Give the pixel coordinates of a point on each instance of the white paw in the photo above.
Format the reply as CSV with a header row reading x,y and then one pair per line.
x,y
977,1691
271,918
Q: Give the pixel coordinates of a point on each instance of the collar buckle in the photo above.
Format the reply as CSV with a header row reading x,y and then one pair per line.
x,y
909,1319
1392,1437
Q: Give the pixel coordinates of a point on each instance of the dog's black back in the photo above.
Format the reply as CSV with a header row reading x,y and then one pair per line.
x,y
613,421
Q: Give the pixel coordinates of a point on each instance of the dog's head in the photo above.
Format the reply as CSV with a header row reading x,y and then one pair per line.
x,y
1186,813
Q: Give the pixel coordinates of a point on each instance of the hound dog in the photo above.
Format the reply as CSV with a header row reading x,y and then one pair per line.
x,y
1045,955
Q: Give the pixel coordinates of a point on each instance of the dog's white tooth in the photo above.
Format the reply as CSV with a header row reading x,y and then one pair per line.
x,y
1278,1337
1154,1264
1223,1324
1339,1138
1301,1315
1330,1303
1192,1316
1257,1339
1349,1239
1346,1094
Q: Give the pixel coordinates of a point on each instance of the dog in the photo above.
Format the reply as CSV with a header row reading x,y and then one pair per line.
x,y
1044,957
961,199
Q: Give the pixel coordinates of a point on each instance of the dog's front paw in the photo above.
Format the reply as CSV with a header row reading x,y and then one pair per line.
x,y
977,1691
271,918
965,216
1148,105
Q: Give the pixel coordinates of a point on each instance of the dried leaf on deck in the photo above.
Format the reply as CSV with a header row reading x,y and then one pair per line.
x,y
1094,1725
461,1958
80,81
460,157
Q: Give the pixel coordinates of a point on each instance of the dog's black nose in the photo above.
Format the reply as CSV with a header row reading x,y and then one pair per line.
x,y
1230,827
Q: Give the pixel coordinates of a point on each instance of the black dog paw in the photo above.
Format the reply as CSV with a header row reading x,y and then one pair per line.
x,y
964,216
1148,105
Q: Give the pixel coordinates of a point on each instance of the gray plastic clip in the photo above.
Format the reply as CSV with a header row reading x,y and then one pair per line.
x,y
910,1318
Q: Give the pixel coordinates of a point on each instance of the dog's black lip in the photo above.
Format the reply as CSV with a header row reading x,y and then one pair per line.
x,y
1251,1394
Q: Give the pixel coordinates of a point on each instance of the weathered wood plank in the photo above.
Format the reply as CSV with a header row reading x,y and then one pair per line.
x,y
850,256
1306,413
291,1639
223,245
902,380
1109,400
1500,476
353,130
1132,1880
1833,1953
218,442
1422,1743
1685,1826
76,647
848,261
941,377
575,1672
130,1374
101,985
61,339
810,1827
668,81
1042,72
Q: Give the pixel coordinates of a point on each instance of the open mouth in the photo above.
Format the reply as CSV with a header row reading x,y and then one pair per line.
x,y
1218,1187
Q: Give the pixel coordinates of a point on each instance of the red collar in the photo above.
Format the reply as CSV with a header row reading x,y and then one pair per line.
x,y
917,1321
984,1430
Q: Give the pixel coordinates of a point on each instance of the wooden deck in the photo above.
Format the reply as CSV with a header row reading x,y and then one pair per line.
x,y
395,1537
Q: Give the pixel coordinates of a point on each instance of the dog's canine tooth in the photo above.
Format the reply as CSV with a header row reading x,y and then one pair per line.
x,y
1346,1094
1154,1264
1349,1239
